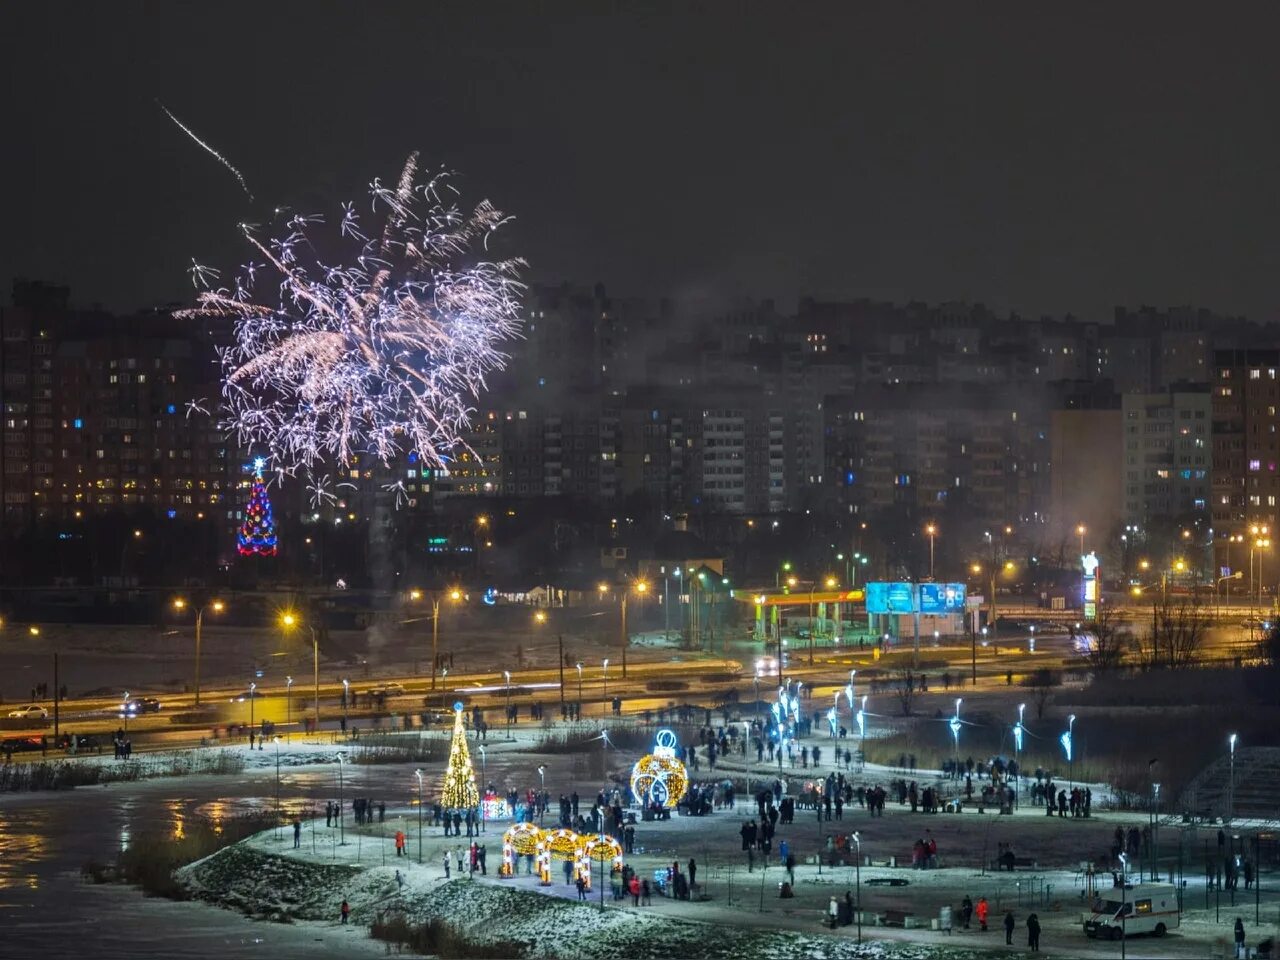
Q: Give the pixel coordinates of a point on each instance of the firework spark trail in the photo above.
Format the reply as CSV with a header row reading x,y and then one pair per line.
x,y
378,347
208,149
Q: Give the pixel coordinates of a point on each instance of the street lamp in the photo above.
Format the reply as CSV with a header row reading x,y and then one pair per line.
x,y
342,830
276,741
1230,803
455,595
124,708
605,675
1124,901
346,700
1080,531
542,807
857,864
1065,740
288,703
1017,752
579,666
954,724
253,689
507,674
288,621
932,531
217,606
862,730
484,778
418,774
757,695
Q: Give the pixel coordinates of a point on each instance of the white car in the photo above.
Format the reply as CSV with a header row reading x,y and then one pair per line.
x,y
33,712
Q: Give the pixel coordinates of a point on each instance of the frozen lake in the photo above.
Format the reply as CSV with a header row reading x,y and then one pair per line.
x,y
45,838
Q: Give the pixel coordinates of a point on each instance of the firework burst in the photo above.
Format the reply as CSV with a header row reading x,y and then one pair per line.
x,y
382,351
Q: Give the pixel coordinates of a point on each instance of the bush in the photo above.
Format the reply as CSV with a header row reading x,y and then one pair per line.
x,y
150,861
440,939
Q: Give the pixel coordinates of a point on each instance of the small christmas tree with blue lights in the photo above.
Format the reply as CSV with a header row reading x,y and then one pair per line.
x,y
257,536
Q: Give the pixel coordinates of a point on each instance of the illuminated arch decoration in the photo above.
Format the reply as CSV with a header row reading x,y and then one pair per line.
x,y
659,777
603,849
520,840
563,844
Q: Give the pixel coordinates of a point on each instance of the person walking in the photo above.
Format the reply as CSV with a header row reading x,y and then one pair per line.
x,y
297,834
693,874
446,864
582,888
1009,924
399,843
1240,953
966,911
345,910
635,890
981,910
1033,932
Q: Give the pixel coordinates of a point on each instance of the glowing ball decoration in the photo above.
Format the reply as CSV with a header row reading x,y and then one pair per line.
x,y
659,777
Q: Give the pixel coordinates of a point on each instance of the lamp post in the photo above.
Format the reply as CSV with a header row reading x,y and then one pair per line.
x,y
1017,753
484,779
288,621
1230,801
542,807
346,701
444,694
932,531
857,864
253,690
507,674
124,708
862,730
1065,740
418,774
217,606
342,830
605,675
455,595
1124,900
1080,532
288,704
276,741
579,666
954,724
757,695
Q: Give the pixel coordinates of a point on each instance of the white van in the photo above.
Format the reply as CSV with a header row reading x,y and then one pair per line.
x,y
1142,908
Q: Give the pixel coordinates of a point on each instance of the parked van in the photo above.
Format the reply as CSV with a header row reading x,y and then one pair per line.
x,y
1141,908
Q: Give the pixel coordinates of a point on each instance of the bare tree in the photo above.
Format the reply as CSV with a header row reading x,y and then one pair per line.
x,y
1109,644
1042,683
904,685
1176,636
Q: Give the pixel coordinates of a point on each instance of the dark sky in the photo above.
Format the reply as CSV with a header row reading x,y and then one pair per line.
x,y
1106,153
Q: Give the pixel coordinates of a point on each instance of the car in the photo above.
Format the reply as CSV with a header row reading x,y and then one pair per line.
x,y
19,744
390,690
137,705
244,695
32,712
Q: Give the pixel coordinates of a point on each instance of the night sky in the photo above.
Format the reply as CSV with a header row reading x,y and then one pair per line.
x,y
1115,153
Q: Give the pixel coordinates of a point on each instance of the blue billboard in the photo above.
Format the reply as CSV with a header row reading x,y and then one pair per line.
x,y
891,597
941,598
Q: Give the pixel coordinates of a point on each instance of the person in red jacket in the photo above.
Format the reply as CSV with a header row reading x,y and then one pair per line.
x,y
982,910
399,843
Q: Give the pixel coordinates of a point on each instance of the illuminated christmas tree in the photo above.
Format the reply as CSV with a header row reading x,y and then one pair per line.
x,y
459,789
257,535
